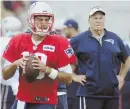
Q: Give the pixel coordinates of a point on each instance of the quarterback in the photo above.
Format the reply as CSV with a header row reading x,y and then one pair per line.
x,y
52,53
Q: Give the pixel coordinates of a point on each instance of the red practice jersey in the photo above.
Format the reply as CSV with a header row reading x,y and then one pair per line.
x,y
54,51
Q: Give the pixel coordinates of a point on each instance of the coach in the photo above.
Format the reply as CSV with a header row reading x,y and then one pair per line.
x,y
97,51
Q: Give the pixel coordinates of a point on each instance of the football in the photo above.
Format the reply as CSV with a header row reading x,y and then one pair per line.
x,y
30,73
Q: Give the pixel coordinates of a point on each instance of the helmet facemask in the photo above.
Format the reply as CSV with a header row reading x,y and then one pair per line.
x,y
43,28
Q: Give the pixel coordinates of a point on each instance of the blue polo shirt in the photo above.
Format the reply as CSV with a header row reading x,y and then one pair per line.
x,y
97,60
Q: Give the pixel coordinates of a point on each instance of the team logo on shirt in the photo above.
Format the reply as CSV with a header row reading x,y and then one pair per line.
x,y
69,52
110,40
49,48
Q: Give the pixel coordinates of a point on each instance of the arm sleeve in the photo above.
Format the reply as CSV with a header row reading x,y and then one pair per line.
x,y
65,54
74,44
128,49
10,52
124,54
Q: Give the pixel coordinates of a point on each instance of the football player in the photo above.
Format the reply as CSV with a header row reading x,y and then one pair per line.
x,y
53,53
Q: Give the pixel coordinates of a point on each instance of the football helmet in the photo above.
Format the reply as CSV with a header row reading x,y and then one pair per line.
x,y
11,26
36,9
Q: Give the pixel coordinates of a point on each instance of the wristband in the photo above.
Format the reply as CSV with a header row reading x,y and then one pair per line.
x,y
53,74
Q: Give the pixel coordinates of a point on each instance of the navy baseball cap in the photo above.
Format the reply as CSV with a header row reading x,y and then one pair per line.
x,y
71,23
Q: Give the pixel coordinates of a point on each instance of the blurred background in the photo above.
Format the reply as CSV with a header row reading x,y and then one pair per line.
x,y
117,13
